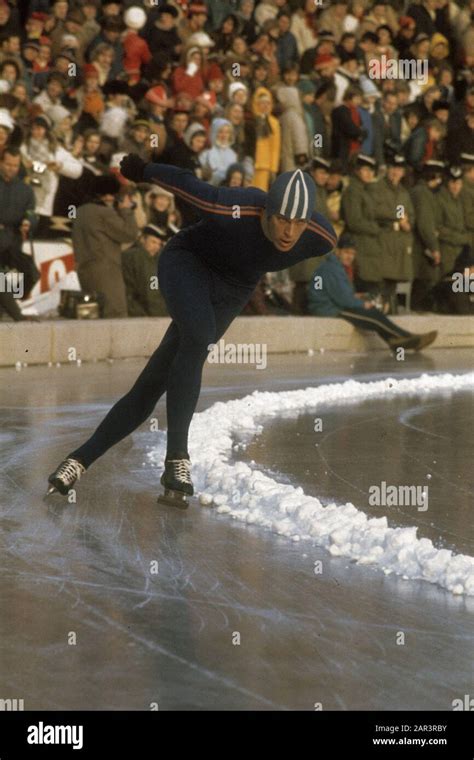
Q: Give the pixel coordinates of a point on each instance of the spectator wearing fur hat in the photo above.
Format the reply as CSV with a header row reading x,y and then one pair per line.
x,y
100,229
139,267
46,160
160,31
117,113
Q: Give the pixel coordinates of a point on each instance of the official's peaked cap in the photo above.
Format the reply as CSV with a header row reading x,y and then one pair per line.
x,y
292,195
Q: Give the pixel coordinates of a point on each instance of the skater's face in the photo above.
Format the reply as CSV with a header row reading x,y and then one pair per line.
x,y
285,233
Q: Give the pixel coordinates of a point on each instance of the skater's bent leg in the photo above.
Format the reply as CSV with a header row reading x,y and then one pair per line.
x,y
374,320
202,306
185,283
136,406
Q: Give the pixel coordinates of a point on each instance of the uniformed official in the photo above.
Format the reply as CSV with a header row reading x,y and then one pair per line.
x,y
395,215
139,266
426,245
358,212
467,194
453,233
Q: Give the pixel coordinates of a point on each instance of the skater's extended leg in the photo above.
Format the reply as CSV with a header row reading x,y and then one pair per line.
x,y
136,406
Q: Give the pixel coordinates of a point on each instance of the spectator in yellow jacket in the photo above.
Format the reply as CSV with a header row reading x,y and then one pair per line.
x,y
268,139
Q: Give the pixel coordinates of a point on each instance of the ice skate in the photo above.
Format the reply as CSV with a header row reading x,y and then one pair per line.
x,y
63,478
177,483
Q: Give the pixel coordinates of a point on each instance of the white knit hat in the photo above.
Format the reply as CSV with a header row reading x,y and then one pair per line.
x,y
235,86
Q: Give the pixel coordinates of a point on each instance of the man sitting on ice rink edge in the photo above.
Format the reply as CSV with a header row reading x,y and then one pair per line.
x,y
331,294
207,273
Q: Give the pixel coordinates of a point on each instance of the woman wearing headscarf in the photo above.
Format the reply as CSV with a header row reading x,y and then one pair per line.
x,y
189,77
217,159
267,139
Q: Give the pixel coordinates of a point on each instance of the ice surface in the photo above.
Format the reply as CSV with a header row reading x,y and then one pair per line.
x,y
244,493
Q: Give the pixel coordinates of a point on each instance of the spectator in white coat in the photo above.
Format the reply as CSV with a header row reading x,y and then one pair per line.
x,y
45,161
294,134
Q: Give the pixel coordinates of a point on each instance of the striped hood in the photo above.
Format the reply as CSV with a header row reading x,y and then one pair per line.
x,y
292,195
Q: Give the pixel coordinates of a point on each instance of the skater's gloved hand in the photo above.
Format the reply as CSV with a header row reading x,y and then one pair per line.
x,y
132,167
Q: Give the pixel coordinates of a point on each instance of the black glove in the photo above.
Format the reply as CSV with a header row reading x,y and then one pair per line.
x,y
132,167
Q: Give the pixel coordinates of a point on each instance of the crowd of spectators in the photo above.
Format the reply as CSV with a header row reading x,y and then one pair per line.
x,y
374,98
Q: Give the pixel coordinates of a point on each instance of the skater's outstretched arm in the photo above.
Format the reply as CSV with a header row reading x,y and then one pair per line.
x,y
209,201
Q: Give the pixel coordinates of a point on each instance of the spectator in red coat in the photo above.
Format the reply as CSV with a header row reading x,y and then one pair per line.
x,y
135,48
188,77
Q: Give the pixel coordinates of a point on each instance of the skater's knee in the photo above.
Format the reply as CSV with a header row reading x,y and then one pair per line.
x,y
197,339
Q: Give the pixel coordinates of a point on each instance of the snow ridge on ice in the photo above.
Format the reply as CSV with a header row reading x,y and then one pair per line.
x,y
251,496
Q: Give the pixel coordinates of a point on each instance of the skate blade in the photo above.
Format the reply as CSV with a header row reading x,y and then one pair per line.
x,y
174,499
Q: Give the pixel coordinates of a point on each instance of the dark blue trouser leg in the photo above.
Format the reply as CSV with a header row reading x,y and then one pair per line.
x,y
374,320
202,306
